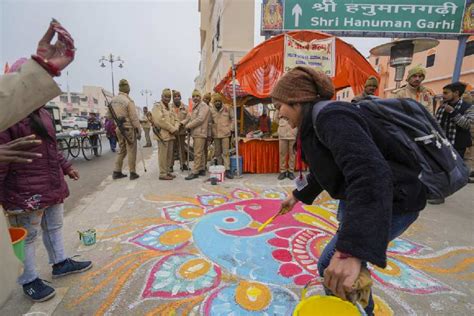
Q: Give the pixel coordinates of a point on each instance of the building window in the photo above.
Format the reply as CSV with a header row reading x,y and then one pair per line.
x,y
469,49
376,61
63,98
430,60
217,36
75,99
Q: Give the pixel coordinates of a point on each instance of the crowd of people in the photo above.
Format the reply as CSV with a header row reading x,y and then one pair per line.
x,y
172,124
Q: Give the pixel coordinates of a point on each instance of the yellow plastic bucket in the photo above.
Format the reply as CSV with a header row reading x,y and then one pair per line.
x,y
318,305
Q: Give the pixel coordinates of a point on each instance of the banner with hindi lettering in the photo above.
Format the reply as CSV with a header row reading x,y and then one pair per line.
x,y
318,54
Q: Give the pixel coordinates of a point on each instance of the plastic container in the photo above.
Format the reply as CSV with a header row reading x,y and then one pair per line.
x,y
319,305
233,164
18,236
88,237
217,172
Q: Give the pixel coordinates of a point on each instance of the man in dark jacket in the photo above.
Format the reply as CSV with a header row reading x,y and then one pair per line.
x,y
356,161
455,117
94,125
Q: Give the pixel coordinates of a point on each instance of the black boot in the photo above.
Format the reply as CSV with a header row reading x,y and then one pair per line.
x,y
228,174
202,173
118,175
282,176
134,176
185,167
191,176
290,175
436,201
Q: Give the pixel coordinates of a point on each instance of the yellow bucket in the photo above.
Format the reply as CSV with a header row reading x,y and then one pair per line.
x,y
318,305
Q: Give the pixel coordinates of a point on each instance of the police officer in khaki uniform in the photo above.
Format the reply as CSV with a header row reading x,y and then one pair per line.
x,y
222,125
167,121
125,110
146,127
199,127
181,111
287,139
414,90
371,86
207,154
207,99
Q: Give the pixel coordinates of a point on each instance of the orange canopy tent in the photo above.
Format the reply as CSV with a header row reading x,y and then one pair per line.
x,y
259,70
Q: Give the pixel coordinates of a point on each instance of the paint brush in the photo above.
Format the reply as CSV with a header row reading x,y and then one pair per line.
x,y
280,212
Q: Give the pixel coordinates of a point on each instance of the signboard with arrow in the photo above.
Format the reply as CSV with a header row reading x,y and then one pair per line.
x,y
434,18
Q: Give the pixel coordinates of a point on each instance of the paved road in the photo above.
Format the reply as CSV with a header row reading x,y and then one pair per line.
x,y
93,172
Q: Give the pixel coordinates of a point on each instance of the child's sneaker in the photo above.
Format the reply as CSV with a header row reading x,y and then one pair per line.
x,y
37,291
70,266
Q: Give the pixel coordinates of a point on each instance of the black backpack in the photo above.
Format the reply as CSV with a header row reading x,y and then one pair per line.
x,y
443,171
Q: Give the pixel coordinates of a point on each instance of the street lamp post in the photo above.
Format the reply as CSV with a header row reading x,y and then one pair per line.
x,y
146,93
111,59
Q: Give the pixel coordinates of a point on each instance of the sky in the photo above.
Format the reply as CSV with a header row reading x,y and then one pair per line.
x,y
159,40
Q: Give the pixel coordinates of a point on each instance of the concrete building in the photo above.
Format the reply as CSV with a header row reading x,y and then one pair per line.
x,y
439,63
90,100
227,27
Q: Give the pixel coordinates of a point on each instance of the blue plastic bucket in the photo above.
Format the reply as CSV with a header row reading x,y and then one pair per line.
x,y
233,164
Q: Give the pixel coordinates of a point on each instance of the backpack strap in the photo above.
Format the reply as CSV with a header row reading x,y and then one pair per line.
x,y
316,109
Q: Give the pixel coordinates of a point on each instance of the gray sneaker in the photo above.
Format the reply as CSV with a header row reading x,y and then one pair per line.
x,y
70,266
38,291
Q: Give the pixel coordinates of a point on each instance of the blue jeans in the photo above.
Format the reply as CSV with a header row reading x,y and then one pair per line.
x,y
51,222
113,142
400,223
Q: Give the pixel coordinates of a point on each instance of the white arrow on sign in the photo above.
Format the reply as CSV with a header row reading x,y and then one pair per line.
x,y
297,12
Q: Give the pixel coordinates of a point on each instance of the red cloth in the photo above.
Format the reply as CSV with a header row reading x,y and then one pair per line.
x,y
261,156
110,127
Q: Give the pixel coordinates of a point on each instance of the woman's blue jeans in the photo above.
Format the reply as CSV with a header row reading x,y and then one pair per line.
x,y
50,221
400,223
